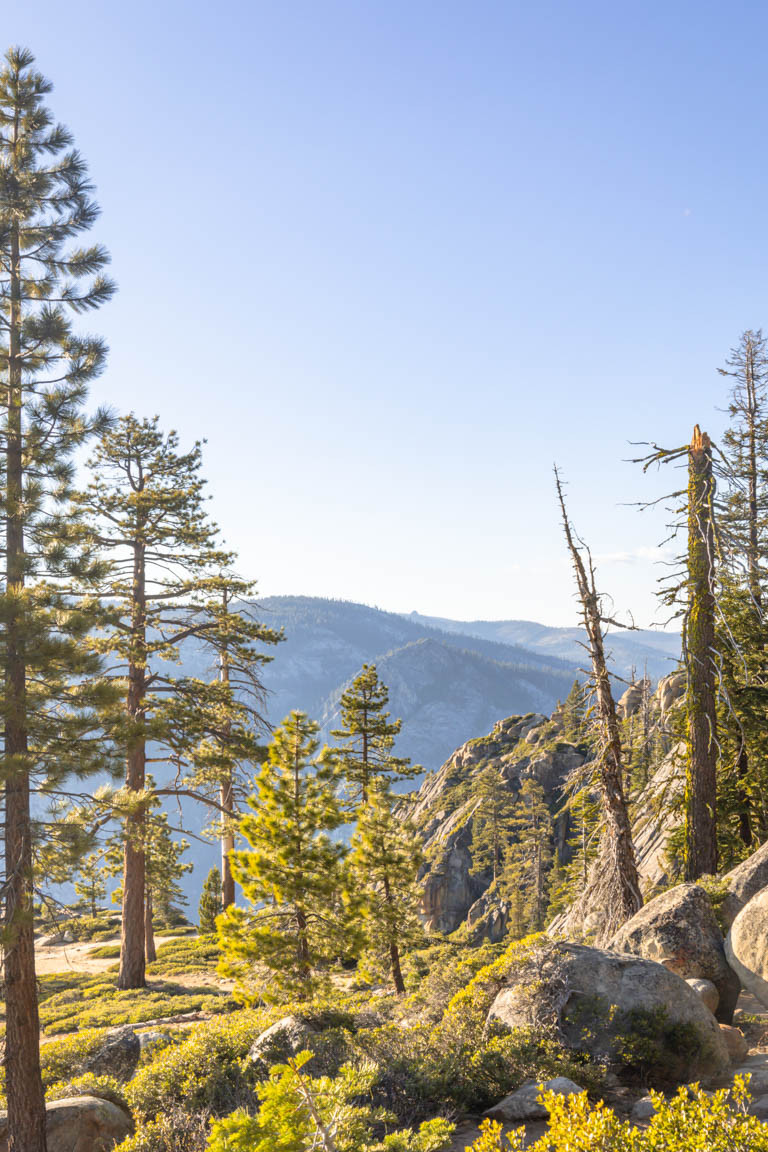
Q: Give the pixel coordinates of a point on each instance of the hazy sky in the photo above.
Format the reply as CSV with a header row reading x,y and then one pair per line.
x,y
395,258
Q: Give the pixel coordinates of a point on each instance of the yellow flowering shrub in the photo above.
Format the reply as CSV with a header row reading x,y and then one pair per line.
x,y
691,1121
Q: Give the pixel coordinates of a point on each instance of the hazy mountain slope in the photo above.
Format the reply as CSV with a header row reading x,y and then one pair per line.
x,y
443,692
658,650
446,687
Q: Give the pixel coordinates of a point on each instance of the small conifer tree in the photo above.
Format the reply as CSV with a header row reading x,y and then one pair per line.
x,y
210,903
290,875
368,736
492,821
385,860
529,856
90,886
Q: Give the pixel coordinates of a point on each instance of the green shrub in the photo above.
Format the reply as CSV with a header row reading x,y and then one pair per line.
x,y
70,1003
105,952
206,1071
295,1109
690,1122
174,1131
63,1059
105,1087
176,957
421,1070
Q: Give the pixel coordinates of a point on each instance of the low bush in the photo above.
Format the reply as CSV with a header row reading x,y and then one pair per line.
x,y
690,1122
73,1002
105,952
296,1111
184,955
421,1070
174,1131
206,1071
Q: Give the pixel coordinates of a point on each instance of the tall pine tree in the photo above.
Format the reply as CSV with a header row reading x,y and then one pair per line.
x,y
144,511
45,368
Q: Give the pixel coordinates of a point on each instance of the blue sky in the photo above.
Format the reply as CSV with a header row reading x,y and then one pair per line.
x,y
393,259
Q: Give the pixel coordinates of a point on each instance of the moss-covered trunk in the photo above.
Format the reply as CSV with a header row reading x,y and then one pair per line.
x,y
701,673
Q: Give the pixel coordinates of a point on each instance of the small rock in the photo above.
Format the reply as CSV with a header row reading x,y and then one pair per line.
x,y
524,1103
150,1040
735,1042
286,1037
118,1056
79,1124
707,991
759,1108
758,1078
643,1109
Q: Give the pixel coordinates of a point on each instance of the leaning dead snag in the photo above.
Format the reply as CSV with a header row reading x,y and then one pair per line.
x,y
614,885
701,673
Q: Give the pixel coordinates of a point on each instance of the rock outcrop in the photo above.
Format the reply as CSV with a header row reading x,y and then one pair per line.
x,y
518,747
79,1124
600,1000
679,929
746,946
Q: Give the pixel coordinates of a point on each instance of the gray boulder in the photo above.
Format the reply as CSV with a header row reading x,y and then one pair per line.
x,y
679,928
643,1110
744,881
293,1034
289,1035
600,1000
118,1056
79,1124
746,946
523,1104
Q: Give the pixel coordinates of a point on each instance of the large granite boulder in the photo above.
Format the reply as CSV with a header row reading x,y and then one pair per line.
x,y
679,929
746,946
629,1012
79,1124
744,881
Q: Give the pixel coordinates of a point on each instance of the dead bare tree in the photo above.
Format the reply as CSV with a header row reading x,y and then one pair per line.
x,y
614,886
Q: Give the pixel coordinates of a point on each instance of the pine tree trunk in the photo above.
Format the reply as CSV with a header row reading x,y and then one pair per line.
x,y
24,1089
132,972
227,844
227,801
149,930
397,975
745,821
701,776
394,951
305,961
